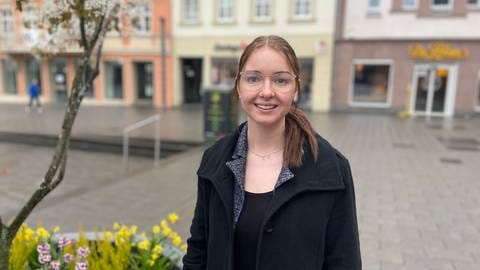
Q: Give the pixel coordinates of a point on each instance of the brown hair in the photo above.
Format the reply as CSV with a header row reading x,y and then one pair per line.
x,y
298,129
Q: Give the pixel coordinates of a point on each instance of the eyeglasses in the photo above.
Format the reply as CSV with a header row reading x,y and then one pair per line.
x,y
281,81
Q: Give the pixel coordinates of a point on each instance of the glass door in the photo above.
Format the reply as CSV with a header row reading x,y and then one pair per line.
x,y
433,89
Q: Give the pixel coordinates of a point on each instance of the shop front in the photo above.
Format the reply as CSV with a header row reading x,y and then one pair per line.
x,y
424,78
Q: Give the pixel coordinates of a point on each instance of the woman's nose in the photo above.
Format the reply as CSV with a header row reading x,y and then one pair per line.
x,y
267,90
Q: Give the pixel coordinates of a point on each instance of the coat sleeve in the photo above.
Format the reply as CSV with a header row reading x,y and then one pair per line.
x,y
196,256
342,249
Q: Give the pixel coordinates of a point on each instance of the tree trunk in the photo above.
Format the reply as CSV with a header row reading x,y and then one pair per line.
x,y
4,247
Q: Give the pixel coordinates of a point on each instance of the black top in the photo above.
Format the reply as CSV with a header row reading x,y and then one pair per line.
x,y
248,228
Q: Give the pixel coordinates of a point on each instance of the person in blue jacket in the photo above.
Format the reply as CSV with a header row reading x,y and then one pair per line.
x,y
273,194
34,93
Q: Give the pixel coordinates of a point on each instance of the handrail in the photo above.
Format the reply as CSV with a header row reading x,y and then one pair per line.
x,y
147,121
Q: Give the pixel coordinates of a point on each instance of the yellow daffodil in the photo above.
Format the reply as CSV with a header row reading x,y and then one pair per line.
x,y
167,231
56,229
163,224
184,247
116,226
154,257
156,229
173,217
150,263
157,249
145,244
177,240
133,229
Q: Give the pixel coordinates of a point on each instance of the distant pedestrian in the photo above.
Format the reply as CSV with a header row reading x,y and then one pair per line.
x,y
273,194
34,93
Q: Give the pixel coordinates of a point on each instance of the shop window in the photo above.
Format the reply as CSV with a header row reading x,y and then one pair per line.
x,y
58,79
410,4
373,7
225,10
442,5
370,83
7,21
262,10
9,77
223,72
89,92
32,66
144,13
302,9
113,80
190,11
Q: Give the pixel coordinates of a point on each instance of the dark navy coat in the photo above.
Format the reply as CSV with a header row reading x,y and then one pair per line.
x,y
310,225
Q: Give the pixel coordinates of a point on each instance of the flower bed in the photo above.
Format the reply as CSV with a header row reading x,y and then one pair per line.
x,y
117,249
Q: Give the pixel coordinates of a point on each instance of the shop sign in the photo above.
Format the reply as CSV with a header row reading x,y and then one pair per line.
x,y
437,51
230,47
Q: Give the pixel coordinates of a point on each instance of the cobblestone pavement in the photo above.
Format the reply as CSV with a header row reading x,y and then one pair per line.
x,y
416,186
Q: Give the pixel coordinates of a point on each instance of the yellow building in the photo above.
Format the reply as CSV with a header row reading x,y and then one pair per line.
x,y
210,35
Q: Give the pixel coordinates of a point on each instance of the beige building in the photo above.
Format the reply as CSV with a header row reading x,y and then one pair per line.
x,y
210,35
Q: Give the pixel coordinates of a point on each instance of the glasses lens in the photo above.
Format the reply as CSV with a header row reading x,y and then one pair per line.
x,y
283,81
254,81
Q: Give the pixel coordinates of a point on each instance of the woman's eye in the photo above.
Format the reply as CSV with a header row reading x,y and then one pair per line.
x,y
253,79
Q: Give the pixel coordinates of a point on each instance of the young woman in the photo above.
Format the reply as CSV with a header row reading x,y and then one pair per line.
x,y
274,194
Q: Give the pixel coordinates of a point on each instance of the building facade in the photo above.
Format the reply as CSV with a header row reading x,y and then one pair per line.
x,y
413,55
135,69
210,35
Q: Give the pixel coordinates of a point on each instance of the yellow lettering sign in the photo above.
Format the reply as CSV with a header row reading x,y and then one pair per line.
x,y
437,51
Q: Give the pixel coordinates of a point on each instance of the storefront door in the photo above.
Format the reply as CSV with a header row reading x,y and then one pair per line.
x,y
434,89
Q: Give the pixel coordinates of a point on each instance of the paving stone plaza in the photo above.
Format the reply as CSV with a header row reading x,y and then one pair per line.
x,y
416,179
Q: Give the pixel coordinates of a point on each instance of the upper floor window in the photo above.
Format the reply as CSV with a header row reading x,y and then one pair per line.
x,y
410,4
262,9
473,3
442,5
30,16
373,6
7,20
144,21
302,9
225,10
190,11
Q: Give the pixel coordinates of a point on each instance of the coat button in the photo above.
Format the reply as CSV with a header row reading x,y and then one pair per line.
x,y
268,228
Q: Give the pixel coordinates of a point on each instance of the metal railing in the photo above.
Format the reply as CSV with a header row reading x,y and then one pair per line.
x,y
147,121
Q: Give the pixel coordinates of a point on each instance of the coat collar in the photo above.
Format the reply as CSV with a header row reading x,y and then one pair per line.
x,y
323,174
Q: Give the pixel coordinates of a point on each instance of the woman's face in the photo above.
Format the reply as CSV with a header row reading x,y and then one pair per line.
x,y
266,87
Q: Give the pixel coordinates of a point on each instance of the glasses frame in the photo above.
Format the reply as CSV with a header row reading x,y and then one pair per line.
x,y
295,78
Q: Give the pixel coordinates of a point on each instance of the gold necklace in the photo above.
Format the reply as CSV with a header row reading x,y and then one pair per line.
x,y
265,156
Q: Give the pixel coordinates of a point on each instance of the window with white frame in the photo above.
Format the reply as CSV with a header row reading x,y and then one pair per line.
x,y
190,11
442,5
225,10
302,9
143,24
7,20
370,83
373,6
473,3
410,4
30,16
262,9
